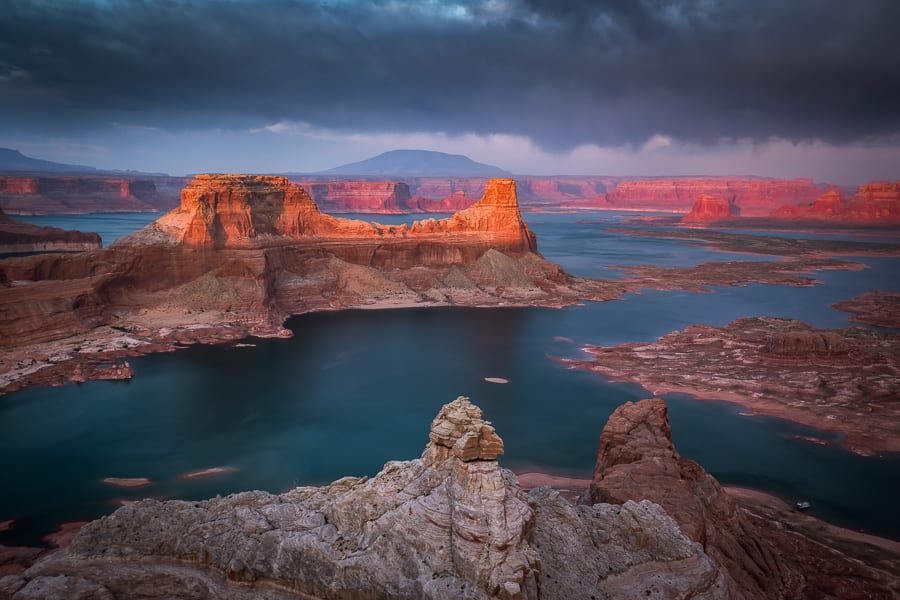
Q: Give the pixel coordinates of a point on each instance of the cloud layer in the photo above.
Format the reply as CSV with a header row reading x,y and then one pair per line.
x,y
563,74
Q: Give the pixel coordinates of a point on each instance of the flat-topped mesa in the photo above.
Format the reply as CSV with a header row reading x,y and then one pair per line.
x,y
248,211
711,208
875,203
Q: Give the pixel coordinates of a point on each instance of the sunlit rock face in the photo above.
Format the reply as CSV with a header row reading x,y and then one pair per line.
x,y
753,196
710,208
241,211
451,524
875,203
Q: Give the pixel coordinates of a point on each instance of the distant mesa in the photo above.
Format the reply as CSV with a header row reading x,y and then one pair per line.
x,y
875,203
711,208
13,161
418,163
17,237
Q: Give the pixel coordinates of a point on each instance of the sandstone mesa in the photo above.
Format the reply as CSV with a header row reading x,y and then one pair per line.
x,y
241,254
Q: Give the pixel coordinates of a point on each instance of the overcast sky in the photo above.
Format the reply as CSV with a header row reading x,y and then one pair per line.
x,y
768,87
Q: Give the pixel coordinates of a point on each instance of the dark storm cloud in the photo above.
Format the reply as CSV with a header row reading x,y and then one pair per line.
x,y
562,73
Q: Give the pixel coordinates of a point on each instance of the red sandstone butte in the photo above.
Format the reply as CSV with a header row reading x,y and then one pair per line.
x,y
231,211
710,208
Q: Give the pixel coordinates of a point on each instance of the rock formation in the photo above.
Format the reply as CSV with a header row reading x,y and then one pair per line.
x,y
236,211
66,194
18,237
637,460
451,524
876,203
877,308
452,203
386,197
710,208
842,380
754,196
242,253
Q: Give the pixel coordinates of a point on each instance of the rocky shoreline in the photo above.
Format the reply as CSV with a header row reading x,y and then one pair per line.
x,y
839,380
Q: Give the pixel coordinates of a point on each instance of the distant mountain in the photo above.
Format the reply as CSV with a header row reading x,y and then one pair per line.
x,y
418,163
16,162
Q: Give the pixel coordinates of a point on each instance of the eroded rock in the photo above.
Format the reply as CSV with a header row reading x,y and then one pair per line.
x,y
452,524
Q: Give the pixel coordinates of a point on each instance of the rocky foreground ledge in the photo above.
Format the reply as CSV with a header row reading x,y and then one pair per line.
x,y
454,524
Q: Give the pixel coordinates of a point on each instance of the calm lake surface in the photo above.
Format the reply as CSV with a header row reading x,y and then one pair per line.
x,y
354,389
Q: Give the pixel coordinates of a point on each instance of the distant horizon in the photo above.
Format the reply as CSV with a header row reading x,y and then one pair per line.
x,y
716,87
100,171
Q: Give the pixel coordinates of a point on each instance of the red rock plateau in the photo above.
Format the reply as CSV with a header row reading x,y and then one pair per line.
x,y
384,197
240,255
17,237
751,196
840,380
58,194
763,558
710,209
876,203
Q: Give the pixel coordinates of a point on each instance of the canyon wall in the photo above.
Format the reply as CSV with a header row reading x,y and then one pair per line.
x,y
752,196
57,194
17,237
875,203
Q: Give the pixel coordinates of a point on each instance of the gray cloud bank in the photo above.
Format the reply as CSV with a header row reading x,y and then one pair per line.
x,y
562,73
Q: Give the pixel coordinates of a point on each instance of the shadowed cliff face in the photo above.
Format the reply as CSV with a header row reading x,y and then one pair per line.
x,y
638,461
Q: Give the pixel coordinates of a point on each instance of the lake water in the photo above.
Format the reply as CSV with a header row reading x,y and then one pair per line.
x,y
354,389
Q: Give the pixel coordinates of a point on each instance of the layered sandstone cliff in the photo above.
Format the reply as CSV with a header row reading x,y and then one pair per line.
x,y
242,253
17,237
708,209
451,524
876,203
386,197
65,194
754,197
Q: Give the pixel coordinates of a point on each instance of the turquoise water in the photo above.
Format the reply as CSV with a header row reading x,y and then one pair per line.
x,y
110,226
354,389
